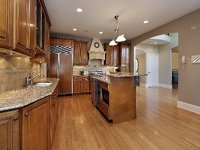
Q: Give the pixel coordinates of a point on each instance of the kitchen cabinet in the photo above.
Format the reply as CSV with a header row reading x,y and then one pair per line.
x,y
80,53
35,125
22,26
18,23
125,57
81,84
9,130
47,41
6,23
25,23
56,41
54,104
31,27
112,55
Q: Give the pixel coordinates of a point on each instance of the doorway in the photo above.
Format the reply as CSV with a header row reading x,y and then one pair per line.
x,y
161,66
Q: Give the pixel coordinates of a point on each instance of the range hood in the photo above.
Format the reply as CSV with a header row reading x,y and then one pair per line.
x,y
96,50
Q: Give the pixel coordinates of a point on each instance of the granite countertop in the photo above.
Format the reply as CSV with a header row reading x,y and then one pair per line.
x,y
15,99
121,75
105,79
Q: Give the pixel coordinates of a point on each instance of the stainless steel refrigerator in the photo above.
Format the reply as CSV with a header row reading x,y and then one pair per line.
x,y
61,67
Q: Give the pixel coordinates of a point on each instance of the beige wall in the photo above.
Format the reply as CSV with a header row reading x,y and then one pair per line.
x,y
188,28
165,71
14,70
142,67
175,61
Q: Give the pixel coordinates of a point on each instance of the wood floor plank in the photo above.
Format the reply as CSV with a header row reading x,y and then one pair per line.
x,y
159,125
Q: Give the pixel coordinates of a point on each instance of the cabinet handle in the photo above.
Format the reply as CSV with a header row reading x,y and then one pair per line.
x,y
15,118
26,114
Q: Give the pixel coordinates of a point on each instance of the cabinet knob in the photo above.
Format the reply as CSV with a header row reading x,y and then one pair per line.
x,y
26,114
15,118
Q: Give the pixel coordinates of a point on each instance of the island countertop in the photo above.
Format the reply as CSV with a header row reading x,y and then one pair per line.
x,y
15,99
122,75
106,78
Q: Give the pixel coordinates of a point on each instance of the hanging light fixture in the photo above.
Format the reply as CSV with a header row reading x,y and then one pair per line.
x,y
120,38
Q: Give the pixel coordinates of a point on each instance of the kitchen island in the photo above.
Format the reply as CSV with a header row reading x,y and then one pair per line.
x,y
116,97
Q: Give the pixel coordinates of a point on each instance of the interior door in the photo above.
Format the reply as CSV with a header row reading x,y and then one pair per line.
x,y
152,70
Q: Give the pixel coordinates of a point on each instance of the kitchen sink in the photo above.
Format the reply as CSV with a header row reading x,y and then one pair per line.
x,y
43,84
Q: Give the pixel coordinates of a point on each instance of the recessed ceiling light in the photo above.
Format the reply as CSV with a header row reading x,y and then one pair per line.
x,y
79,10
74,29
100,32
146,21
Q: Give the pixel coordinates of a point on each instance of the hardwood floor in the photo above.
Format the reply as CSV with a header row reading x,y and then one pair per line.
x,y
159,125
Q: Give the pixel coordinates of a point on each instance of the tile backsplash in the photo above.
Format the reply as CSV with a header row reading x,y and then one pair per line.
x,y
14,70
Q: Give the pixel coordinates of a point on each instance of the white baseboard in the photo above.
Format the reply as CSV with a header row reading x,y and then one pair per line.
x,y
168,86
143,85
189,107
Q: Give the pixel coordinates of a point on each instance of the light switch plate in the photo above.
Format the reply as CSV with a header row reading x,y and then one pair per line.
x,y
195,59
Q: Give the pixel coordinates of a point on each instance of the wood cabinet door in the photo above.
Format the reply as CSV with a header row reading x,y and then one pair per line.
x,y
86,85
22,26
66,72
67,42
115,56
9,130
47,41
109,55
6,23
53,114
55,41
77,53
125,54
76,85
35,125
84,53
53,70
31,27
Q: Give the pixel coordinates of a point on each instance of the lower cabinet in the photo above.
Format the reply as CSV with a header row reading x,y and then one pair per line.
x,y
31,127
81,84
9,130
54,104
35,126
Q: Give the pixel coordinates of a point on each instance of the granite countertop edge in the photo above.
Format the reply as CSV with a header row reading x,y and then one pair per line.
x,y
8,101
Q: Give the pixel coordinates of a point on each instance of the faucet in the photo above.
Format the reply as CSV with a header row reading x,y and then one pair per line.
x,y
29,79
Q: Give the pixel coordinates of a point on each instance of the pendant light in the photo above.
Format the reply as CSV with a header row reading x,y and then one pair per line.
x,y
112,43
120,38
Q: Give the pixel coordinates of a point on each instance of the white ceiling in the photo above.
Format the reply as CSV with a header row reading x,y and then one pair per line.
x,y
98,15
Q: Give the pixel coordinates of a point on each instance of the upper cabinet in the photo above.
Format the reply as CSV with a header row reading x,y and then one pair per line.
x,y
80,53
125,57
23,26
112,55
62,41
118,55
6,23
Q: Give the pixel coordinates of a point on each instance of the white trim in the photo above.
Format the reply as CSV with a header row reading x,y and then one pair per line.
x,y
189,107
143,85
168,86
